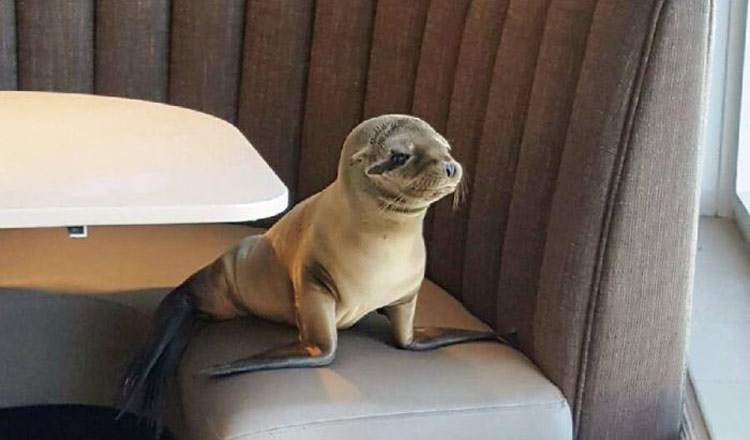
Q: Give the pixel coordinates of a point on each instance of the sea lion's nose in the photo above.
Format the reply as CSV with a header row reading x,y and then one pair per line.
x,y
451,169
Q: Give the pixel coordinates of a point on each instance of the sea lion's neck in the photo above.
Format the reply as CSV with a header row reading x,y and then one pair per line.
x,y
366,214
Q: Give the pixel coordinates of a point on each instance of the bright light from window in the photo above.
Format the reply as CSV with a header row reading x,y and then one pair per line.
x,y
743,145
743,152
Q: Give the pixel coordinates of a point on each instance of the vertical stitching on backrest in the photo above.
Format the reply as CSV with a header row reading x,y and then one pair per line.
x,y
442,125
485,101
526,112
535,293
494,276
418,56
567,132
520,144
612,196
241,62
303,103
476,141
18,50
455,65
366,79
433,219
168,55
93,45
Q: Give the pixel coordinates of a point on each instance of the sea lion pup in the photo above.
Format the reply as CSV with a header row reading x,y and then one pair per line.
x,y
351,249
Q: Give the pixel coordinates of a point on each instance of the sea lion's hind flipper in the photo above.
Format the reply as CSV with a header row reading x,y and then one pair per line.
x,y
428,338
295,355
149,372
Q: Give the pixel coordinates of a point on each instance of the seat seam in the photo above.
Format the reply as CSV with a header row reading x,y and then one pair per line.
x,y
395,415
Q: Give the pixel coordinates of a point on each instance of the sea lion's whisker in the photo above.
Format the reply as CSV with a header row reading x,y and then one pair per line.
x,y
461,192
388,203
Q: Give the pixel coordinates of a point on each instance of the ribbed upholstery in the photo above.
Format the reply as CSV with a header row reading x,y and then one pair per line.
x,y
508,98
274,80
483,26
337,76
55,45
577,122
394,58
131,40
204,55
8,68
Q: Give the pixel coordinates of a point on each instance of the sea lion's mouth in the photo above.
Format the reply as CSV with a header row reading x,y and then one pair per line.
x,y
411,200
440,191
399,203
446,188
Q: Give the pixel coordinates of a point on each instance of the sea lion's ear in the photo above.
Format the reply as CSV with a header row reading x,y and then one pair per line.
x,y
360,156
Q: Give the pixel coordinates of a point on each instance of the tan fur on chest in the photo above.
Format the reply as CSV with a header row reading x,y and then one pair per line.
x,y
368,275
365,267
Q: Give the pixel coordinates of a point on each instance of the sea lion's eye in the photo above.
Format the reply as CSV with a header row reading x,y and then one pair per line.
x,y
398,158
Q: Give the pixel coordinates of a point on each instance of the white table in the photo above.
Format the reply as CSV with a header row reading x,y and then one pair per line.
x,y
69,159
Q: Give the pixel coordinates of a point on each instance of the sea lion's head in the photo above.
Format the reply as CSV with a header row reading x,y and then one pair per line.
x,y
401,162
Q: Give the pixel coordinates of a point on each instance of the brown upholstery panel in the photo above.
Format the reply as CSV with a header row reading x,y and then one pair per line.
x,y
205,51
555,83
132,42
336,87
641,304
606,93
438,55
394,56
611,315
274,80
55,45
482,31
8,68
499,145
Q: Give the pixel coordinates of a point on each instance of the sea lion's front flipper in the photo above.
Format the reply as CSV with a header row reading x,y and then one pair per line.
x,y
295,355
408,337
316,316
428,338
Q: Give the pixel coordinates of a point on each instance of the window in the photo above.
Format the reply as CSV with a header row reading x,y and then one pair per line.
x,y
720,322
742,187
725,188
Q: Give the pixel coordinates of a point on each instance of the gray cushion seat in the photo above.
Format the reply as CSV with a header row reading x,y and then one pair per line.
x,y
72,349
372,391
